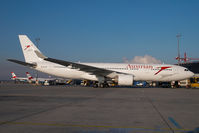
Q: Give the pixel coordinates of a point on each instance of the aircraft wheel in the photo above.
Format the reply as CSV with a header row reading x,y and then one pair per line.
x,y
95,85
104,85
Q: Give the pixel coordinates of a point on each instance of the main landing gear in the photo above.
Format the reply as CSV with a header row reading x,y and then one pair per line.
x,y
101,85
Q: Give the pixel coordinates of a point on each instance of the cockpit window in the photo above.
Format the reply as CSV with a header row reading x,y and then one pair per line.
x,y
186,70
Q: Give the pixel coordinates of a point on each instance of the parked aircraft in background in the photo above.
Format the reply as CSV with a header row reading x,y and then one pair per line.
x,y
38,79
101,73
30,79
14,77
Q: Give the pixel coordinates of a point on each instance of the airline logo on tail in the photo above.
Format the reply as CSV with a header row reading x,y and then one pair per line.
x,y
29,76
13,75
27,46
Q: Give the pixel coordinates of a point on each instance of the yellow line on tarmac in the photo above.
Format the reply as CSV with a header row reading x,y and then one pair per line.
x,y
96,126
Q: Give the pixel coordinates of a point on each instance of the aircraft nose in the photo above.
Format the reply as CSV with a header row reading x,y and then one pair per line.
x,y
191,74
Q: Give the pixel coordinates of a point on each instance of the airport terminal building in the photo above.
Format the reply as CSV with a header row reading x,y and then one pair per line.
x,y
192,66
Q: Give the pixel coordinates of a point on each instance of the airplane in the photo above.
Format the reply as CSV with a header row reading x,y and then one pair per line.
x,y
14,77
122,74
39,79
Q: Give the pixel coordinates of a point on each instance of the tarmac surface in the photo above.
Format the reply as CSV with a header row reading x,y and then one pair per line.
x,y
28,108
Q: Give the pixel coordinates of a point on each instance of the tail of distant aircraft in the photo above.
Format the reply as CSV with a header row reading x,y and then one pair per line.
x,y
30,51
29,76
13,75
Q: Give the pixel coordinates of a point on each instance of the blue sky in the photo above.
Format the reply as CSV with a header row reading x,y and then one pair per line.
x,y
99,30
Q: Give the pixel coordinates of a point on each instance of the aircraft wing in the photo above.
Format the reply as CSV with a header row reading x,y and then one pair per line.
x,y
86,68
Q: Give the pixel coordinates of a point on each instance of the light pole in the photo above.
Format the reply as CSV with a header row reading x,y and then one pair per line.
x,y
37,44
178,38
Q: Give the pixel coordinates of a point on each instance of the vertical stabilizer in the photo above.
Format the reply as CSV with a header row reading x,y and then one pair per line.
x,y
29,76
13,75
29,49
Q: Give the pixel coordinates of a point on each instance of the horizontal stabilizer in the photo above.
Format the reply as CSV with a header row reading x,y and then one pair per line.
x,y
22,63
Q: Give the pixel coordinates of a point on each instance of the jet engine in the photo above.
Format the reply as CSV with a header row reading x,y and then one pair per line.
x,y
124,79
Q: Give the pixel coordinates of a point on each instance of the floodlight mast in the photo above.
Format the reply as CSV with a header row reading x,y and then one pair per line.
x,y
37,44
178,38
37,41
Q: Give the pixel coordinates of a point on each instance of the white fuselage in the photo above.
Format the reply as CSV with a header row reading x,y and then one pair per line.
x,y
143,72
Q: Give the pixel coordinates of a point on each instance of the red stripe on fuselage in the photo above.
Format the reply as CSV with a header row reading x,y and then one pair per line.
x,y
162,68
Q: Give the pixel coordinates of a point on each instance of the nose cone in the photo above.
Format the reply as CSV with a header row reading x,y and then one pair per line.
x,y
184,73
190,74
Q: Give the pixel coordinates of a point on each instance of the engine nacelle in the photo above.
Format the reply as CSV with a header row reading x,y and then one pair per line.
x,y
125,80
